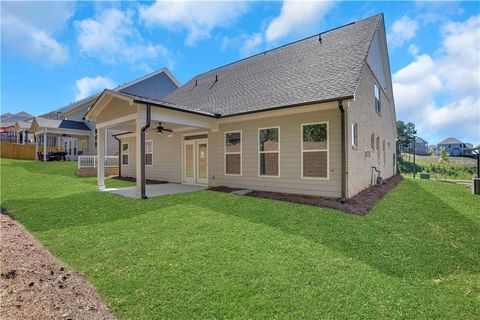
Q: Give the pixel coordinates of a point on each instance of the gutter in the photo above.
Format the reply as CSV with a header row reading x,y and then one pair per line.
x,y
119,155
142,151
343,147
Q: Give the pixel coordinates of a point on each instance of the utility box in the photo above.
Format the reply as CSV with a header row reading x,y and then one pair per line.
x,y
424,176
476,186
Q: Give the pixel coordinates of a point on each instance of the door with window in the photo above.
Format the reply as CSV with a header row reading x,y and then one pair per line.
x,y
195,161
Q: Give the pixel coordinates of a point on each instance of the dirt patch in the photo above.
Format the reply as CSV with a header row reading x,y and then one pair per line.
x,y
132,179
34,285
360,204
223,189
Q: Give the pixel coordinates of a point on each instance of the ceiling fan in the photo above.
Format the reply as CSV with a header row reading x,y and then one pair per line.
x,y
161,129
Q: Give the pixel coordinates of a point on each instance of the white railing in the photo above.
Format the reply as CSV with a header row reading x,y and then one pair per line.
x,y
92,161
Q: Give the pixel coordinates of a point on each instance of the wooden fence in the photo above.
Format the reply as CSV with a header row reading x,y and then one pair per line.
x,y
22,151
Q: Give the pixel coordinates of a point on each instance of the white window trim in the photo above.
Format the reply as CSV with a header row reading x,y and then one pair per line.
x,y
316,150
127,153
225,154
375,89
354,136
148,165
260,152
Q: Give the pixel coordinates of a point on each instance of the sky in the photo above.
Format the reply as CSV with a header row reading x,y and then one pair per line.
x,y
55,53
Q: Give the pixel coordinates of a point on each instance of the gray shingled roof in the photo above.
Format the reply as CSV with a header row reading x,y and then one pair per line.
x,y
450,140
301,72
62,124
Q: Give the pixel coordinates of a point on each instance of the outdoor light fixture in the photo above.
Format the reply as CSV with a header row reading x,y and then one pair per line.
x,y
161,129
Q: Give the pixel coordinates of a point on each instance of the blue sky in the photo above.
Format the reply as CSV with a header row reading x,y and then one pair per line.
x,y
53,53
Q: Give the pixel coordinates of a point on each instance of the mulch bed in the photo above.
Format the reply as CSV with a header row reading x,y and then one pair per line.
x,y
223,189
360,204
132,179
34,285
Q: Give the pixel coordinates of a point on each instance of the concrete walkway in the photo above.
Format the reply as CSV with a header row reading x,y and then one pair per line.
x,y
154,190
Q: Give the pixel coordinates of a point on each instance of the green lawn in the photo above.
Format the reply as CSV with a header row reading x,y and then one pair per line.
x,y
214,255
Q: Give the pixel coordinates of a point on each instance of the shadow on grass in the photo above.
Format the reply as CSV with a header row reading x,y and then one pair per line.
x,y
410,233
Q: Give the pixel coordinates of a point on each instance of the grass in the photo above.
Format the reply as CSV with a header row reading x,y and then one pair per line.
x,y
214,255
459,168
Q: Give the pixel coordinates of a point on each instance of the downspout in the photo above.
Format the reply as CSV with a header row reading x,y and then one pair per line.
x,y
142,151
343,147
119,155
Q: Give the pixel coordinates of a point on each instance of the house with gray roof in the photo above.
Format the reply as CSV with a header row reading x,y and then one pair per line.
x,y
7,127
454,147
65,127
314,117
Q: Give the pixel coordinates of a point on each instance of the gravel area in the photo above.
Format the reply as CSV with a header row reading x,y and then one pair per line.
x,y
34,285
360,204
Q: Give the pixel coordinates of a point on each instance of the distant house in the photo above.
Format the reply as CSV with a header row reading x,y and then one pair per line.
x,y
421,146
454,147
7,127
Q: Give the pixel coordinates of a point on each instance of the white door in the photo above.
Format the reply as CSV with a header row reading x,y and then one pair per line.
x,y
195,161
201,155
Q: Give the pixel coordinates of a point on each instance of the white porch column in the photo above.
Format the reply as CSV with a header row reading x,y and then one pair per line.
x,y
45,144
17,136
101,159
140,122
37,137
23,137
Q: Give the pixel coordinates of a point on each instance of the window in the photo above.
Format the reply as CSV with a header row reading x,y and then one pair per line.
x,y
354,135
233,153
315,150
384,154
372,141
378,107
149,152
269,152
125,153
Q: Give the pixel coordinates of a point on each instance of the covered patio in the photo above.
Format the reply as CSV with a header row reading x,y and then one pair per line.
x,y
141,120
154,190
74,137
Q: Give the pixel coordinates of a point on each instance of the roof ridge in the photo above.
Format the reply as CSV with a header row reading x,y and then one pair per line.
x,y
289,43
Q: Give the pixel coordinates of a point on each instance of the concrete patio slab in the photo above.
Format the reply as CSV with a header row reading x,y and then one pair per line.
x,y
154,190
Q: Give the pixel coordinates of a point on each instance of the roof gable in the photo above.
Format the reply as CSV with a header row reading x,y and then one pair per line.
x,y
451,140
302,72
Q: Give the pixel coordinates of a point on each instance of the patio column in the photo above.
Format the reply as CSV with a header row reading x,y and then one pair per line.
x,y
140,122
45,144
36,146
101,159
17,136
23,137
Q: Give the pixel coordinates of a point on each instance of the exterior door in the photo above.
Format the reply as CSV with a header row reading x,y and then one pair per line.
x,y
201,154
195,161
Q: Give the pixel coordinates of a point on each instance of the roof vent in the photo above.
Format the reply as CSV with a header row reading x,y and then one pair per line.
x,y
320,37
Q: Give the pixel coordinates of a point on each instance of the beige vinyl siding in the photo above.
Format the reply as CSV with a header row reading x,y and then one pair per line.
x,y
167,164
362,112
120,109
290,179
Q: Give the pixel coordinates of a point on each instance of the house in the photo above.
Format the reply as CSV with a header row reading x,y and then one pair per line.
x,y
421,146
66,128
8,130
455,147
313,117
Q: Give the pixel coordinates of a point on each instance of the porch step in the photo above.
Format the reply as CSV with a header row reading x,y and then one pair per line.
x,y
241,192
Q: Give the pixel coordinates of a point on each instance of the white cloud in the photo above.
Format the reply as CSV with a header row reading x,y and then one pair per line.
x,y
296,15
441,94
113,38
413,49
402,30
30,28
198,18
251,44
87,86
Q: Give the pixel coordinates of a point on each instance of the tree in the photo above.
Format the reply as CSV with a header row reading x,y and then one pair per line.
x,y
443,159
406,132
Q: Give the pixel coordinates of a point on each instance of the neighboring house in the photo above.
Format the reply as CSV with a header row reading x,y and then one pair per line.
x,y
311,117
66,128
8,131
421,146
455,147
